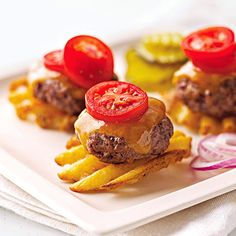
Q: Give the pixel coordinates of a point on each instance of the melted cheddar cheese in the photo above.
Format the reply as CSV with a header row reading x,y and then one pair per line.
x,y
39,73
137,133
204,80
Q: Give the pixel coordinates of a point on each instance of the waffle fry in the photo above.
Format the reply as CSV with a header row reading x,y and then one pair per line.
x,y
81,168
73,154
135,175
229,124
29,108
197,122
72,142
88,174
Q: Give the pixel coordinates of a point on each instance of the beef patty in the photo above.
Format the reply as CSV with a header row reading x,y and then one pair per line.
x,y
219,104
113,149
58,94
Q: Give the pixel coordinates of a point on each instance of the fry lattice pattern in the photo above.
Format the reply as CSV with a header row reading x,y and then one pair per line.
x,y
203,124
29,108
87,174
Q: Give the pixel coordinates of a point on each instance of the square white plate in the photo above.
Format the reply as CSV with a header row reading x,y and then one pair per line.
x,y
27,159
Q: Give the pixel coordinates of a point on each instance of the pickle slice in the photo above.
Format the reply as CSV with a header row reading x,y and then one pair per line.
x,y
163,48
149,76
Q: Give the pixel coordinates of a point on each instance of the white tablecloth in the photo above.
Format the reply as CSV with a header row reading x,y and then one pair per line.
x,y
215,217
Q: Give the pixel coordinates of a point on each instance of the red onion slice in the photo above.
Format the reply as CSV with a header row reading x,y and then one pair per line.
x,y
199,163
209,150
216,152
226,142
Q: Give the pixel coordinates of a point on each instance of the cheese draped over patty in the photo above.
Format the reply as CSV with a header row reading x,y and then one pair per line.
x,y
204,80
136,133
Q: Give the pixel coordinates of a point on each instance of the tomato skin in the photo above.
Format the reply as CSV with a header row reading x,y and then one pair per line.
x,y
211,49
116,101
223,69
209,43
54,61
88,61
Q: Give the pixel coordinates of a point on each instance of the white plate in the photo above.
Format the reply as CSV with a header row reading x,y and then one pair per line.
x,y
27,159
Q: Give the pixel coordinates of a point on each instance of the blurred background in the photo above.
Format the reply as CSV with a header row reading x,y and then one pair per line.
x,y
29,28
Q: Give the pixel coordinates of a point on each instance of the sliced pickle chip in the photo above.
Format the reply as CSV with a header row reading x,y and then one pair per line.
x,y
147,75
162,48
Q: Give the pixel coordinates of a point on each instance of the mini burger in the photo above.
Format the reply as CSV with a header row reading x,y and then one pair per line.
x,y
123,136
60,81
206,85
122,124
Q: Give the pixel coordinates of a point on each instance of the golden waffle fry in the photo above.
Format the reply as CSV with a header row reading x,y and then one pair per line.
x,y
72,142
198,122
180,141
81,168
29,108
100,178
135,175
73,154
88,174
209,125
229,124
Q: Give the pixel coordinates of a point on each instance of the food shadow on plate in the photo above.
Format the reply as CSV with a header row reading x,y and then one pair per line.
x,y
165,181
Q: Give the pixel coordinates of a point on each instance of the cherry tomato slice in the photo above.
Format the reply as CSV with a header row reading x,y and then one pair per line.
x,y
116,101
211,49
209,43
88,61
209,67
54,60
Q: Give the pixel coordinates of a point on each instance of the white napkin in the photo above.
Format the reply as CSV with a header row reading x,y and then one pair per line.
x,y
215,217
